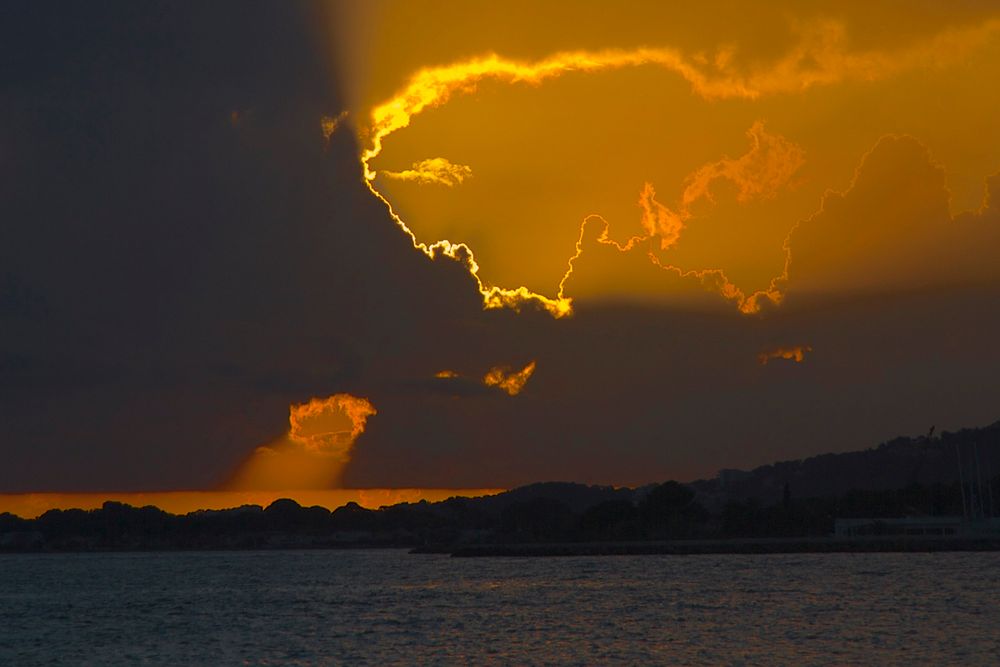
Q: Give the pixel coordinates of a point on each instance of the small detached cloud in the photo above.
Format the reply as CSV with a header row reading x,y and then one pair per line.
x,y
433,171
504,378
329,124
796,353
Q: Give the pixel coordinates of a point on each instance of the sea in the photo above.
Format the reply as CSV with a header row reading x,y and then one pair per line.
x,y
388,607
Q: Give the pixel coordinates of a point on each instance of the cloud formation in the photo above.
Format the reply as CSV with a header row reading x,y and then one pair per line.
x,y
507,379
891,229
502,378
329,426
433,171
312,455
329,124
821,56
757,174
796,353
278,276
760,173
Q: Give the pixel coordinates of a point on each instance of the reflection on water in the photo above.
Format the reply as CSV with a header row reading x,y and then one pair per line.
x,y
388,607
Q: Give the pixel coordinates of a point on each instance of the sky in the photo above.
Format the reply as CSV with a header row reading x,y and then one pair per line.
x,y
261,246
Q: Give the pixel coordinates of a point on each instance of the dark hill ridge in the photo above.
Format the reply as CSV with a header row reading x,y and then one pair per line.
x,y
577,497
895,464
905,476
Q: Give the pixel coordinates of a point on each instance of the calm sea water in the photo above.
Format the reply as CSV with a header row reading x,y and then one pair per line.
x,y
388,607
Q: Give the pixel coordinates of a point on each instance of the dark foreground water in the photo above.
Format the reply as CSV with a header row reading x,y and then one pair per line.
x,y
388,607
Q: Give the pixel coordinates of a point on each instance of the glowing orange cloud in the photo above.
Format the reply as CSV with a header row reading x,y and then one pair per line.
x,y
313,453
435,171
796,354
658,221
758,174
509,381
319,425
821,57
446,375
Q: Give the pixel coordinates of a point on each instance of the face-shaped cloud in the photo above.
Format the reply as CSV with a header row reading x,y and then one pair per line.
x,y
728,227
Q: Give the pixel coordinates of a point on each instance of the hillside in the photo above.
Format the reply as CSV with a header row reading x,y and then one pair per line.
x,y
789,499
894,464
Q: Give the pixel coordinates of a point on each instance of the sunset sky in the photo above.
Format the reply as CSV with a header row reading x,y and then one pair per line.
x,y
415,244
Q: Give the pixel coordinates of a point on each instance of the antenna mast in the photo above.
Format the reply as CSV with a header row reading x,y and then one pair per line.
x,y
979,481
961,481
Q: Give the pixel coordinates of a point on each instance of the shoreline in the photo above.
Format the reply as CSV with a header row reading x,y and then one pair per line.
x,y
744,546
748,546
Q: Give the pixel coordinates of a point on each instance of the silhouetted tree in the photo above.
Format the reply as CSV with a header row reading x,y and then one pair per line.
x,y
669,511
610,520
537,520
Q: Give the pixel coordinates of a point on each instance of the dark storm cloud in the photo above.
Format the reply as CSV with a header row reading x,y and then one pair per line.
x,y
895,298
892,229
626,394
455,387
172,280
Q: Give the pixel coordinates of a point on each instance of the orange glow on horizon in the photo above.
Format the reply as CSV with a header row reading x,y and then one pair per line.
x,y
31,505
